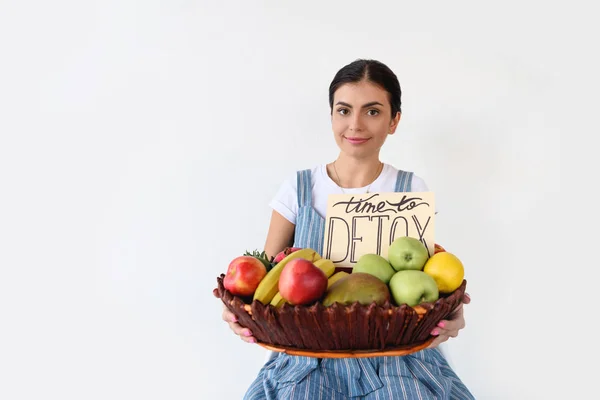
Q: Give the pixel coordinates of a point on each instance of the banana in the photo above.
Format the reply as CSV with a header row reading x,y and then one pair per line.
x,y
278,300
326,266
269,285
336,277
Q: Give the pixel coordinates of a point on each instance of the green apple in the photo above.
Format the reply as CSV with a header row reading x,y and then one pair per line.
x,y
413,287
406,253
375,265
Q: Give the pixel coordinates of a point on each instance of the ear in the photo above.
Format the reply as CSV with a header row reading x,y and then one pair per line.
x,y
394,123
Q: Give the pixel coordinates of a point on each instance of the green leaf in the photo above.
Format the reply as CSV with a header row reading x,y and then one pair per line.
x,y
261,256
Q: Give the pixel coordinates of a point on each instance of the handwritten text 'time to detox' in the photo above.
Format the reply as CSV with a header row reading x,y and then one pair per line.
x,y
369,223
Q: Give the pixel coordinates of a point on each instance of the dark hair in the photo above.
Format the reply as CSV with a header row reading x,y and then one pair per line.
x,y
372,71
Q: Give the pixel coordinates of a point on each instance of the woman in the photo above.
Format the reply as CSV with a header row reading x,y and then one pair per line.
x,y
365,99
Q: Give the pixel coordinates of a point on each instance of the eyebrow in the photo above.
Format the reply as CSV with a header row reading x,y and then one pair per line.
x,y
373,103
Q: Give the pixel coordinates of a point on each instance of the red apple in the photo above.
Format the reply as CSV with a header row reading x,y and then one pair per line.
x,y
438,249
286,252
302,282
243,275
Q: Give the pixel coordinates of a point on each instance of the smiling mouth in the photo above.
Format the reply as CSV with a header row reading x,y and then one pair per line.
x,y
356,140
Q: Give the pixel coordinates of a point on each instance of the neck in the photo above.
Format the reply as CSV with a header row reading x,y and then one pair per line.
x,y
353,172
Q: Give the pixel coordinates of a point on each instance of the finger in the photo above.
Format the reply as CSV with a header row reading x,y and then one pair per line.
x,y
228,316
244,333
451,325
448,328
456,321
437,341
466,298
458,309
216,293
231,319
249,339
444,332
240,330
444,336
456,315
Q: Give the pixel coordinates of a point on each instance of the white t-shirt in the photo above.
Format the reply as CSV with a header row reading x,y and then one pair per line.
x,y
285,201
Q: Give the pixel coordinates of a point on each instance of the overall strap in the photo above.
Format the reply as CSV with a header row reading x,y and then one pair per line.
x,y
404,181
304,188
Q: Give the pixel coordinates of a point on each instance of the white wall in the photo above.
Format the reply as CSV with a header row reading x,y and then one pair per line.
x,y
141,143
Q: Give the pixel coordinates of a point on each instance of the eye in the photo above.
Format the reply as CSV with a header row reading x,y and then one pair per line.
x,y
343,111
373,112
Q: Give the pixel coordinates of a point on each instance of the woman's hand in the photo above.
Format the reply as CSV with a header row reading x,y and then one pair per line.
x,y
239,330
449,327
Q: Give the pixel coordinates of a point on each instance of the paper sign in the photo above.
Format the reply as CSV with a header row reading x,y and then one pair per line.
x,y
358,224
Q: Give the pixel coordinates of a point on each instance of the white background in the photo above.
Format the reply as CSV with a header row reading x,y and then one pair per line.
x,y
142,141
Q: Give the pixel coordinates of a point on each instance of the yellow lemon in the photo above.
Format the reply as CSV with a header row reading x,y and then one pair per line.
x,y
447,271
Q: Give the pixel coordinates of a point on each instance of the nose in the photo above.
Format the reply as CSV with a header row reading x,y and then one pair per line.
x,y
356,123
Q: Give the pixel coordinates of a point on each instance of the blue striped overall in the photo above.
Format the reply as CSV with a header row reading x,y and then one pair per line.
x,y
421,375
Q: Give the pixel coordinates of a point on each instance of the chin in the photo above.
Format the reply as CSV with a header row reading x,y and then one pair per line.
x,y
362,150
358,153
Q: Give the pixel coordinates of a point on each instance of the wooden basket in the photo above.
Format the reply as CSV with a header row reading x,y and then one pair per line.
x,y
341,331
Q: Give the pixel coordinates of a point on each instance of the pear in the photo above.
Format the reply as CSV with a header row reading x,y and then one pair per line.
x,y
357,287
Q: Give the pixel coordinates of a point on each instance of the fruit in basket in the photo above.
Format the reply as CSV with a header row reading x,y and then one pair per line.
x,y
269,286
302,282
377,333
285,252
447,270
357,287
375,265
277,300
244,274
381,330
413,287
323,264
438,249
336,277
407,253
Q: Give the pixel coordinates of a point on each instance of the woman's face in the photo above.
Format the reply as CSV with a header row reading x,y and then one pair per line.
x,y
361,118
